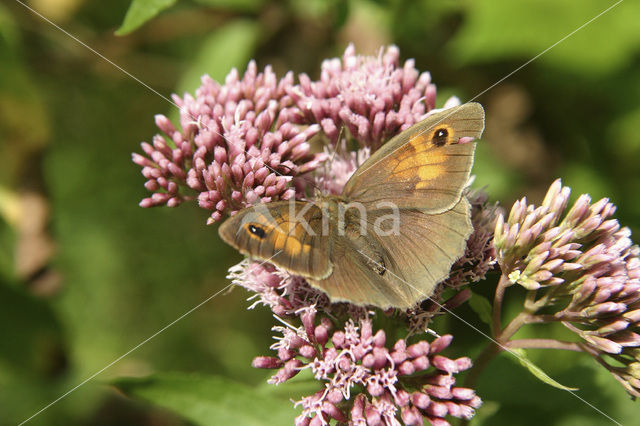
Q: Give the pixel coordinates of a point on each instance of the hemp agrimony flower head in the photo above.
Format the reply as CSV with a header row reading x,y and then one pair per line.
x,y
479,257
581,266
240,143
373,97
410,382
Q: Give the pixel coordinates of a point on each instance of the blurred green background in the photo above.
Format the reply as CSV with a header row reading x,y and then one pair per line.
x,y
86,274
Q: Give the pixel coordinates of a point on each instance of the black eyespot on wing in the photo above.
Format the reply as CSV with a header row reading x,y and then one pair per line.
x,y
440,137
257,231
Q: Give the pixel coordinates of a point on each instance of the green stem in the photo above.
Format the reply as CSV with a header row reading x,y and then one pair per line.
x,y
535,319
501,336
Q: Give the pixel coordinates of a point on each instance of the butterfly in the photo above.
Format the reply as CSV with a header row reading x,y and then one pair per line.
x,y
393,234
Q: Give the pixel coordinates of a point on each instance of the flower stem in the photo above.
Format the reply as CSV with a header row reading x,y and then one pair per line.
x,y
502,336
543,344
497,304
496,346
512,328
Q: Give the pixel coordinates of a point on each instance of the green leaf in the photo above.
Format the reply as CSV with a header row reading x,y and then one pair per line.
x,y
9,212
210,400
234,5
501,179
230,46
584,179
485,412
504,29
537,371
341,13
140,11
624,136
8,28
32,340
24,120
481,306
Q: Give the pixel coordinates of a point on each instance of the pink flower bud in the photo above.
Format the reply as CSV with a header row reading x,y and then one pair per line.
x,y
411,416
441,343
266,362
444,364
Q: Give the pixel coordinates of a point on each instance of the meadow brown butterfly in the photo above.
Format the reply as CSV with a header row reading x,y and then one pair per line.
x,y
392,235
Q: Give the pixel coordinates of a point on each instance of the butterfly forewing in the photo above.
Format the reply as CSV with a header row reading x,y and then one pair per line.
x,y
287,234
425,167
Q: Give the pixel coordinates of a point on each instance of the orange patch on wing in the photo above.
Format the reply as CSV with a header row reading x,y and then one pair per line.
x,y
280,240
424,165
425,161
293,246
288,236
421,158
427,174
417,141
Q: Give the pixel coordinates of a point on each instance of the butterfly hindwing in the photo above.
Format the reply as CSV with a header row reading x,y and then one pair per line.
x,y
426,247
397,270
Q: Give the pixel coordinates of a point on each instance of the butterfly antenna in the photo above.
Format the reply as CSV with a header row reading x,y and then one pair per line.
x,y
335,150
328,166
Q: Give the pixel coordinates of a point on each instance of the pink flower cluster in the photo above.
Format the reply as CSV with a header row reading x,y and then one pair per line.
x,y
408,382
240,144
283,293
373,97
480,255
249,141
587,269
